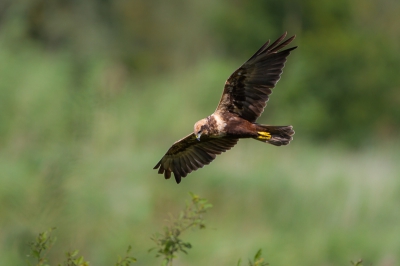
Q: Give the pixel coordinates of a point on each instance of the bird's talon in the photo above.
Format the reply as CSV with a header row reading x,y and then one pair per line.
x,y
264,135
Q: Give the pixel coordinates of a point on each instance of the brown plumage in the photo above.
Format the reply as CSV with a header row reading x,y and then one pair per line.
x,y
243,100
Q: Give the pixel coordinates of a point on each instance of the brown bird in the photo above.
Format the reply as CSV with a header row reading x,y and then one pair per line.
x,y
243,100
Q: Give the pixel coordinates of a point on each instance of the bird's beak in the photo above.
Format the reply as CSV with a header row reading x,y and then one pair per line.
x,y
198,136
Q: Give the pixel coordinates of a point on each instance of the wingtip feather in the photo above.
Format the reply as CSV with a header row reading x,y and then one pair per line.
x,y
157,165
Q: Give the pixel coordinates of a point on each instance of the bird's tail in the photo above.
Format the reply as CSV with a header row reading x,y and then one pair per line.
x,y
275,135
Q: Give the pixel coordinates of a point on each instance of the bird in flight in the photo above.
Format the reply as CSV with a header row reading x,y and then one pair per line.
x,y
243,100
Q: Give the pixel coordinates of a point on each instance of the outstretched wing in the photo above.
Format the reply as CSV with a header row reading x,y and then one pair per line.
x,y
189,154
247,90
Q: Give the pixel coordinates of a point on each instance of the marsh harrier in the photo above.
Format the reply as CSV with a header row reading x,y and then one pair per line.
x,y
243,100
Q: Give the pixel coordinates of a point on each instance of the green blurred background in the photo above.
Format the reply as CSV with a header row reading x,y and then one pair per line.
x,y
92,94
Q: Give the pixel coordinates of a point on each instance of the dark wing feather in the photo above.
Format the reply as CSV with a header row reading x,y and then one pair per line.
x,y
247,90
189,154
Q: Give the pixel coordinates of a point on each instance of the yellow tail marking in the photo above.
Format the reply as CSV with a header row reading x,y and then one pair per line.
x,y
263,135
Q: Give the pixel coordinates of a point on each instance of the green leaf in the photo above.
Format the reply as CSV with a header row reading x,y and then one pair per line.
x,y
258,255
36,253
74,253
80,260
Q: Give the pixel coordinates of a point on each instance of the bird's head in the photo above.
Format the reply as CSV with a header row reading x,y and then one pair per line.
x,y
201,128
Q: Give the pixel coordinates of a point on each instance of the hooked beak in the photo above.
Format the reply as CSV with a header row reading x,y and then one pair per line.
x,y
198,136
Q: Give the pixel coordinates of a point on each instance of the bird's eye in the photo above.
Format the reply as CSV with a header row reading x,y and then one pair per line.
x,y
198,132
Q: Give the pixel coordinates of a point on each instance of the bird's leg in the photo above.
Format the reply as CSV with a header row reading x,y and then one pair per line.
x,y
263,135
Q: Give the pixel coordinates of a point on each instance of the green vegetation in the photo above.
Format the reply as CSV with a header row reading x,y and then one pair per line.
x,y
40,248
257,261
93,93
169,243
346,68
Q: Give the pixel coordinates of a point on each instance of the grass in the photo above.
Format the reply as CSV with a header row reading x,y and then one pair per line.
x,y
78,155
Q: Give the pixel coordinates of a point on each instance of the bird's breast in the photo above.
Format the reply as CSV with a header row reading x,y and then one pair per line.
x,y
218,124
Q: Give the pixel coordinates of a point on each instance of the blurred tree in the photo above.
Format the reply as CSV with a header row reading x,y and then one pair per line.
x,y
345,81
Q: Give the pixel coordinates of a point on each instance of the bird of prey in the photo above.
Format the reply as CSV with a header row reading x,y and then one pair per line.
x,y
243,100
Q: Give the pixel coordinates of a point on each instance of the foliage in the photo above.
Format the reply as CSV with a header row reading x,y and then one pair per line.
x,y
357,263
169,243
127,260
45,241
74,260
330,86
41,247
257,260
